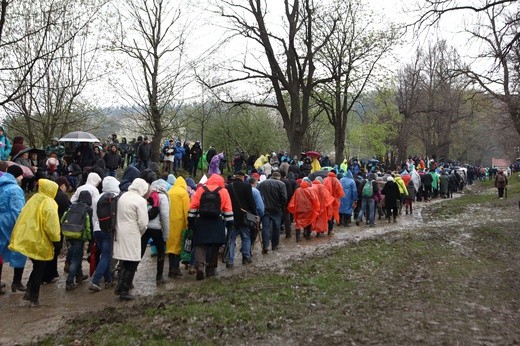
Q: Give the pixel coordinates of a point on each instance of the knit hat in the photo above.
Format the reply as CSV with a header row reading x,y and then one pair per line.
x,y
15,170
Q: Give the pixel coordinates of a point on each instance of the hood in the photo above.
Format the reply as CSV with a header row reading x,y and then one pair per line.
x,y
6,179
160,186
111,185
85,197
181,183
149,175
171,179
331,174
305,184
316,182
130,174
154,166
47,187
290,176
18,140
93,179
349,174
191,183
139,186
215,179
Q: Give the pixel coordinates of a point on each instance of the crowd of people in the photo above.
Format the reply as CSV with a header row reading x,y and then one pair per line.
x,y
289,196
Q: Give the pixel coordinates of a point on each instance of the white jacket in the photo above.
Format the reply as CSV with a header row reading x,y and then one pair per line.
x,y
110,185
162,221
91,185
132,219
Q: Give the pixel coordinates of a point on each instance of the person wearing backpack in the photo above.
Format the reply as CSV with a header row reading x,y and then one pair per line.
x,y
103,207
210,213
501,183
35,231
78,216
158,224
132,219
369,192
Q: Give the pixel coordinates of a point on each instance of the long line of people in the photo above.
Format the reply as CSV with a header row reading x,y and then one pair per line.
x,y
161,208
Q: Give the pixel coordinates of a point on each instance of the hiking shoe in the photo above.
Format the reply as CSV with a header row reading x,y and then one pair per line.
x,y
357,223
211,272
160,281
265,252
81,278
70,287
229,265
176,272
247,260
126,296
18,286
109,284
94,287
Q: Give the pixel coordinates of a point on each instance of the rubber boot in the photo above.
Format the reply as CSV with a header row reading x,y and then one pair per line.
x,y
119,285
17,281
174,262
298,232
126,281
159,280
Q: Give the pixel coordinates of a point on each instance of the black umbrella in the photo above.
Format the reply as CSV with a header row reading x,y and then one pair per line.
x,y
322,173
40,152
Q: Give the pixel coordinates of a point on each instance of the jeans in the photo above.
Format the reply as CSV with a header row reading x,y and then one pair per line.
x,y
371,209
76,256
104,243
245,236
267,237
110,172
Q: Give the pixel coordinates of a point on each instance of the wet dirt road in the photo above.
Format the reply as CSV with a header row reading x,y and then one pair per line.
x,y
20,323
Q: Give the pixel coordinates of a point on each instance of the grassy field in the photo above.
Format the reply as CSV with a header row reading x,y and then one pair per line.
x,y
430,285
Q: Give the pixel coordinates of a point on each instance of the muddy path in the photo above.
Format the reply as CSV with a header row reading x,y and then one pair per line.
x,y
22,324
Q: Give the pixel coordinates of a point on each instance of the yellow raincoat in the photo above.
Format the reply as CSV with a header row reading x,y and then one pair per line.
x,y
315,165
38,224
260,161
179,206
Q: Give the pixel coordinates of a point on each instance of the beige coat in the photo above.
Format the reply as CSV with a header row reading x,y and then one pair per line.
x,y
132,219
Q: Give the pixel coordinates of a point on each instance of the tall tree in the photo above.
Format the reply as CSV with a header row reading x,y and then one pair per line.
x,y
153,38
350,58
288,51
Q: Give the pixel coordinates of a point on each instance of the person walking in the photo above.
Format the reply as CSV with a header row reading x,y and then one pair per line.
x,y
501,183
35,231
12,200
179,206
392,196
242,200
132,219
369,193
209,222
274,194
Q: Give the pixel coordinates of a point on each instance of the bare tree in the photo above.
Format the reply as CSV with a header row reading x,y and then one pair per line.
x,y
153,37
48,101
44,26
350,57
496,29
289,54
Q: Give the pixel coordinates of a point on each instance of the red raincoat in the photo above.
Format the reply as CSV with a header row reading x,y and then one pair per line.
x,y
334,186
304,205
321,224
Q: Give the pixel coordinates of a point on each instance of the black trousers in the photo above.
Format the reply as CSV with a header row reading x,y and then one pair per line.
x,y
156,236
35,279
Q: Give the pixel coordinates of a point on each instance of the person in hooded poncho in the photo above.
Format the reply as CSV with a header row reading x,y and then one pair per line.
x,y
179,206
209,233
132,219
334,186
305,207
320,225
214,164
34,233
350,196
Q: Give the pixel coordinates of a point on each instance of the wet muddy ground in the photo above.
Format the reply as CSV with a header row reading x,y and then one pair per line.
x,y
21,323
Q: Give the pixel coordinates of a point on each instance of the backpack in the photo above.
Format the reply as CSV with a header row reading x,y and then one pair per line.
x,y
73,221
368,189
210,203
153,205
106,210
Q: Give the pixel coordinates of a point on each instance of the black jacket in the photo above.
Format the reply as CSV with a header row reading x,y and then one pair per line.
x,y
112,160
241,198
274,194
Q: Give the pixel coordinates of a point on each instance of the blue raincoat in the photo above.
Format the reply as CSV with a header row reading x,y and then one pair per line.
x,y
12,200
349,187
